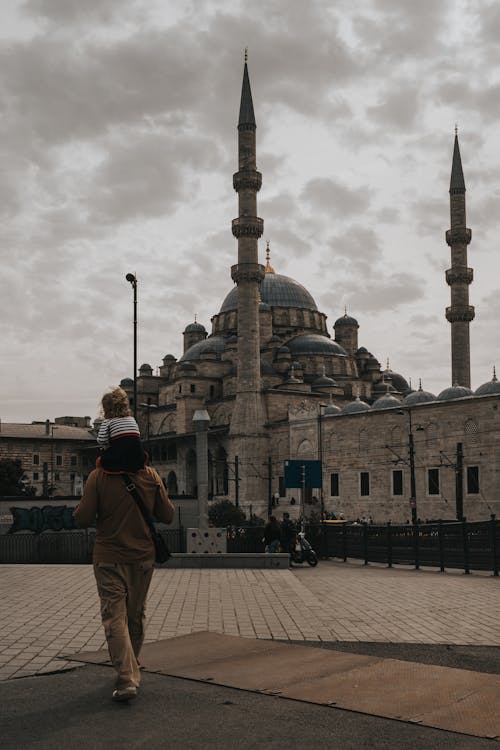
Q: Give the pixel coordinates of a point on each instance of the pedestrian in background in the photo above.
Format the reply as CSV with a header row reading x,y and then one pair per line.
x,y
272,535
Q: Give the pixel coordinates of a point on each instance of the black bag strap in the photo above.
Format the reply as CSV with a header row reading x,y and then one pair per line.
x,y
140,502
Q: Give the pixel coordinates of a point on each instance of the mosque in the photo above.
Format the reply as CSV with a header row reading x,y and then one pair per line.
x,y
277,385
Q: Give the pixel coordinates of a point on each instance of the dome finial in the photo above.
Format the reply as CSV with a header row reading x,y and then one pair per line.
x,y
195,318
269,268
456,129
494,378
345,311
388,363
420,384
246,54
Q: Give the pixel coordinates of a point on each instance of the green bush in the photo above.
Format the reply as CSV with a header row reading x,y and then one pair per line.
x,y
224,513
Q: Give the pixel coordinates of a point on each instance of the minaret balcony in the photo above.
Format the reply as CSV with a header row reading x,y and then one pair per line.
x,y
460,313
458,236
459,276
248,226
248,179
248,272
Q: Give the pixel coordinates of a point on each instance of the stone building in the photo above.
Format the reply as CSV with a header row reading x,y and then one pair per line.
x,y
278,385
56,456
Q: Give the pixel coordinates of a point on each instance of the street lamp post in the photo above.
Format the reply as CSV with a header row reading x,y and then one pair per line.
x,y
201,420
411,456
320,457
132,279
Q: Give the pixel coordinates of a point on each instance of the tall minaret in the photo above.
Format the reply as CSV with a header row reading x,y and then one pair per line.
x,y
459,276
248,417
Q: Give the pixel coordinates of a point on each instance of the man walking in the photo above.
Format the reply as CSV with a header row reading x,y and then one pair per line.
x,y
123,560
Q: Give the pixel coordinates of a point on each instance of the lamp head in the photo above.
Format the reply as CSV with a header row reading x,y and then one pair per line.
x,y
131,277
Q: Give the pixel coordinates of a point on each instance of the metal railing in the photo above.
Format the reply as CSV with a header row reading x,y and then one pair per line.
x,y
464,545
65,547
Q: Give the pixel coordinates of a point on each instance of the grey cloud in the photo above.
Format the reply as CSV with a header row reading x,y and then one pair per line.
x,y
74,11
334,198
398,107
148,174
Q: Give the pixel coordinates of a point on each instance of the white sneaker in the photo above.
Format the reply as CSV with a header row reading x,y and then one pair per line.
x,y
125,693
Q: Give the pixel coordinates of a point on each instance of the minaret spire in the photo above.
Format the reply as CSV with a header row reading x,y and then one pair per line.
x,y
248,416
459,276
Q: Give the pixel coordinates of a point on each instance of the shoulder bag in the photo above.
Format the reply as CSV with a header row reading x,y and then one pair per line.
x,y
162,553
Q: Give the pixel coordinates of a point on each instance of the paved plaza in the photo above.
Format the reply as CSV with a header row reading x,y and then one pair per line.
x,y
52,610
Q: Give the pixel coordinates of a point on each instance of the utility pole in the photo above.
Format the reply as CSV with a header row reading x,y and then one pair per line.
x,y
236,481
459,483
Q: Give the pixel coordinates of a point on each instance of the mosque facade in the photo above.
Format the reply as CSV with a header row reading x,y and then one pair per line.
x,y
277,385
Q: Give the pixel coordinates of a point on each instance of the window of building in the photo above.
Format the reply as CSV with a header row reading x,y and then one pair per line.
x,y
433,482
471,434
58,460
397,482
334,484
364,483
473,480
36,459
57,476
171,452
72,477
363,441
35,476
192,388
180,388
74,460
212,391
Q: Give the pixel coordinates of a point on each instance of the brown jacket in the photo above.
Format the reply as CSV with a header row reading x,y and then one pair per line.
x,y
122,534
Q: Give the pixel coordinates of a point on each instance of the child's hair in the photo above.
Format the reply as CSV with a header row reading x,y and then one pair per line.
x,y
115,404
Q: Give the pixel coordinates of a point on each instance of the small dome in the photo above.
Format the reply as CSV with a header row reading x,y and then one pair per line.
x,y
387,401
383,387
362,351
146,369
212,344
355,407
418,397
315,343
195,328
454,391
398,381
169,358
324,382
126,382
283,350
489,388
332,409
346,320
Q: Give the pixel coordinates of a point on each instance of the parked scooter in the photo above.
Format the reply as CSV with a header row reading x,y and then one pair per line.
x,y
303,552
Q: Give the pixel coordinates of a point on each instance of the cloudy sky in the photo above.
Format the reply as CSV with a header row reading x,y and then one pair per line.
x,y
118,141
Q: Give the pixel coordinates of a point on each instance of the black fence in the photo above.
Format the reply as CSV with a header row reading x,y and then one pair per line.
x,y
462,545
65,547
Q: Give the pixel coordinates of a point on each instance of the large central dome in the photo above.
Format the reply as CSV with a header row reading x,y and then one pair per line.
x,y
276,291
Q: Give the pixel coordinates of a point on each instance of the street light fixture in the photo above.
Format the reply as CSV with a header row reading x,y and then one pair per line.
x,y
411,456
132,279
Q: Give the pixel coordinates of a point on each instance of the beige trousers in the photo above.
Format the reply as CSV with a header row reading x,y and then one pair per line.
x,y
123,589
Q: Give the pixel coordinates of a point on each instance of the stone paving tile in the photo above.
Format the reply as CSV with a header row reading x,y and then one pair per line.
x,y
49,610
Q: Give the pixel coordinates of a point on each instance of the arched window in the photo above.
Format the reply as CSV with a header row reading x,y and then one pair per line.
x,y
431,433
363,441
305,449
471,435
172,487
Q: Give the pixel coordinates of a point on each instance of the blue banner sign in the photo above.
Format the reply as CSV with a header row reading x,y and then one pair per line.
x,y
305,474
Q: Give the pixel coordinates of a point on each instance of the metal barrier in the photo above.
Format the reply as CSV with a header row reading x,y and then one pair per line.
x,y
462,544
66,547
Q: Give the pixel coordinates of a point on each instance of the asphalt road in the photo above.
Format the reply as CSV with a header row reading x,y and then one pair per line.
x,y
73,710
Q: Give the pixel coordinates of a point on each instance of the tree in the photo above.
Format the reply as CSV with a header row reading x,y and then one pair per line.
x,y
12,478
224,513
